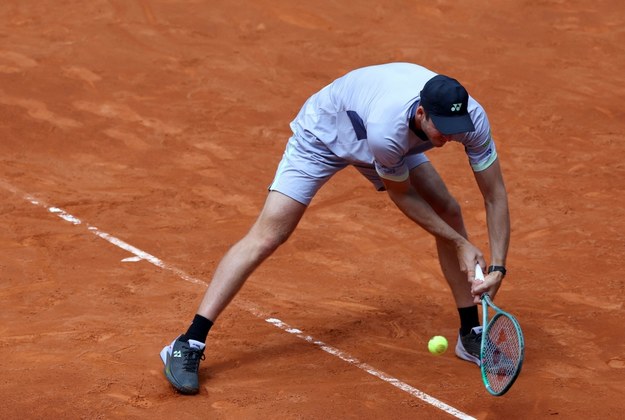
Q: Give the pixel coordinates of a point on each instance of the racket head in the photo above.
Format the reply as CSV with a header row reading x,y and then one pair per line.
x,y
503,350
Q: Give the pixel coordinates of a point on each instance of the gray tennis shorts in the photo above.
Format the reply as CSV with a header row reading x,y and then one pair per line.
x,y
307,164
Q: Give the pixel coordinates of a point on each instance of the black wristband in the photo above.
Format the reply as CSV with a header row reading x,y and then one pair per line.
x,y
499,268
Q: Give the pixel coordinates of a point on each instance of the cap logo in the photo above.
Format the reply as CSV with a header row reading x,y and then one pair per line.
x,y
456,107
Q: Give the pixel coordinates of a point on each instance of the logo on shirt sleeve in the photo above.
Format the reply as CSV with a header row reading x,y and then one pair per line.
x,y
486,144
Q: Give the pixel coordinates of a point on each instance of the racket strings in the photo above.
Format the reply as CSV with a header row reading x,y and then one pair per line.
x,y
502,353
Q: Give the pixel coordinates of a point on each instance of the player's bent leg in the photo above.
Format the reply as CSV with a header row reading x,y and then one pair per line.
x,y
431,187
273,227
428,183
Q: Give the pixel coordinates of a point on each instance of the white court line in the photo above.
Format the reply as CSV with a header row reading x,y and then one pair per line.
x,y
273,321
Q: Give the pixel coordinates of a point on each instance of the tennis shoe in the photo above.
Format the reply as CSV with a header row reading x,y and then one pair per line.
x,y
182,363
469,346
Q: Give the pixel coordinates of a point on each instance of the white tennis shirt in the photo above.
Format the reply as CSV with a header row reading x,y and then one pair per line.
x,y
363,117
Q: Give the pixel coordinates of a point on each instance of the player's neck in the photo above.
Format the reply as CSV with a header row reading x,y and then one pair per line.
x,y
416,123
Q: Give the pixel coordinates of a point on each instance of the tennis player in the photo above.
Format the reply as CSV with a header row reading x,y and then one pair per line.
x,y
381,120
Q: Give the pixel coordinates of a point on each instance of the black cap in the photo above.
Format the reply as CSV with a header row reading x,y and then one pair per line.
x,y
446,102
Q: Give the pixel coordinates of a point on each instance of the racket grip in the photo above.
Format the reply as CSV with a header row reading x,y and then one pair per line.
x,y
479,275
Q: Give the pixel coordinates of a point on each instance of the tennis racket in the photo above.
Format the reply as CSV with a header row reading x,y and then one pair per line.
x,y
503,346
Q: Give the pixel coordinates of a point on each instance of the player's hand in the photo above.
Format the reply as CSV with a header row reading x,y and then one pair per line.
x,y
490,285
468,256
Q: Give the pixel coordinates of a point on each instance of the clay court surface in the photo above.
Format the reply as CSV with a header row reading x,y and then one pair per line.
x,y
137,139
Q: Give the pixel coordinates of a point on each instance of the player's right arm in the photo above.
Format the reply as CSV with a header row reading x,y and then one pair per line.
x,y
406,198
388,152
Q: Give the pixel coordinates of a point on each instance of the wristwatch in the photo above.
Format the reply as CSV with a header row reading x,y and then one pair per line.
x,y
499,268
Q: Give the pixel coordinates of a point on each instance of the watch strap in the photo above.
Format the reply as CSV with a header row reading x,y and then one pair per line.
x,y
499,268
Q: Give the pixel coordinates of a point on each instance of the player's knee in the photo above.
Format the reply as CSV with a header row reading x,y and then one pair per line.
x,y
267,242
275,239
451,213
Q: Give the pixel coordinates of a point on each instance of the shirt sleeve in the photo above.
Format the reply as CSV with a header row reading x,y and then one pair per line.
x,y
479,145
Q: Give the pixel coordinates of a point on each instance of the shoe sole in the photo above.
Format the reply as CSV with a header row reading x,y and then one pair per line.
x,y
462,354
165,354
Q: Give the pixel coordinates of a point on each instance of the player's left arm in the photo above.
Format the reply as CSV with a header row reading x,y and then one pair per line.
x,y
493,189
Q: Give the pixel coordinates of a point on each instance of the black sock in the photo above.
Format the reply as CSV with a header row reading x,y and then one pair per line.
x,y
469,318
198,330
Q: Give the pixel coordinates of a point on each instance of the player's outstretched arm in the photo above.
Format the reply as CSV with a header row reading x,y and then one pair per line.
x,y
493,189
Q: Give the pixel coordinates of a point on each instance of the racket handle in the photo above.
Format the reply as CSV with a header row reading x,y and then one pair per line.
x,y
479,275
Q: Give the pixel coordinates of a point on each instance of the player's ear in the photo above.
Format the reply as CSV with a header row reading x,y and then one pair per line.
x,y
420,114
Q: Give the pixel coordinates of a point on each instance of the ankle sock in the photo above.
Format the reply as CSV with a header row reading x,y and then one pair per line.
x,y
198,330
469,318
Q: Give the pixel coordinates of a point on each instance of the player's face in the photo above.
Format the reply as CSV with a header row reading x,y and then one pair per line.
x,y
437,138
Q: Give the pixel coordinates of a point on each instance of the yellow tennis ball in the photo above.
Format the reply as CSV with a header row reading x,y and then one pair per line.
x,y
437,345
